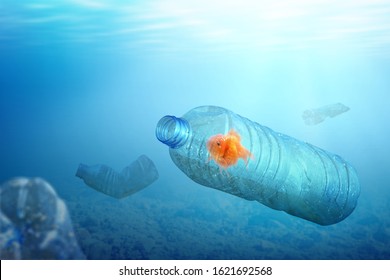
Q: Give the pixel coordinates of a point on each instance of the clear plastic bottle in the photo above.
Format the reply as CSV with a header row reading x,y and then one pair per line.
x,y
35,222
283,173
133,178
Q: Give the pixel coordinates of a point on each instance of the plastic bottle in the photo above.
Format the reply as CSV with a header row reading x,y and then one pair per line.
x,y
133,178
34,222
283,173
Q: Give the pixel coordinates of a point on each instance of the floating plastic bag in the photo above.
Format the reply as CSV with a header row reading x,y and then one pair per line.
x,y
318,115
34,222
133,178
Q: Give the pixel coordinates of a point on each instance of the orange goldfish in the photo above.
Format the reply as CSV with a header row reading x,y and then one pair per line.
x,y
225,150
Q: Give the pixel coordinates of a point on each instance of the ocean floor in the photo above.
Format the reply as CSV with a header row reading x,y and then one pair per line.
x,y
201,223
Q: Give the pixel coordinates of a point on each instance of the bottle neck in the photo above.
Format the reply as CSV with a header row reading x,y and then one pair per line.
x,y
173,131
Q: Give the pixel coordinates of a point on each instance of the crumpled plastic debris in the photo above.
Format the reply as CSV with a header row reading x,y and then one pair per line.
x,y
318,115
34,222
133,178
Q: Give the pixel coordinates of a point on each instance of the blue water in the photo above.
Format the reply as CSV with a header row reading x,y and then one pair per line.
x,y
87,81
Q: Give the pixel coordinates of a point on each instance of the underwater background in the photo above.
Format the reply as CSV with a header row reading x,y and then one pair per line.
x,y
85,81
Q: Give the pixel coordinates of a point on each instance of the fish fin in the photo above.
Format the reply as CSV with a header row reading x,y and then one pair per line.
x,y
234,133
223,170
247,154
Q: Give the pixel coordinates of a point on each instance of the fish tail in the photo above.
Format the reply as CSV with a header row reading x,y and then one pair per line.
x,y
247,154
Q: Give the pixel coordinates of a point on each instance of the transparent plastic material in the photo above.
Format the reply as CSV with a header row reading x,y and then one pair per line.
x,y
34,222
284,173
133,178
318,115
